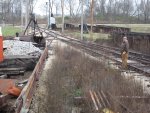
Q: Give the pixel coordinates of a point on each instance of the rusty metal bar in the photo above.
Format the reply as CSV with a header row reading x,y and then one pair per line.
x,y
24,100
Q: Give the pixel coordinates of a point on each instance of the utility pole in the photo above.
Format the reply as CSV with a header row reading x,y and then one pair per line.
x,y
46,8
49,25
13,14
62,6
21,15
27,13
92,4
81,19
46,12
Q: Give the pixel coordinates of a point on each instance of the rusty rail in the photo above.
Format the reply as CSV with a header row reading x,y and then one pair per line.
x,y
24,100
98,49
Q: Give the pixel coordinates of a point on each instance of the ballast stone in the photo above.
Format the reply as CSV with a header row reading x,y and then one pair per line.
x,y
16,47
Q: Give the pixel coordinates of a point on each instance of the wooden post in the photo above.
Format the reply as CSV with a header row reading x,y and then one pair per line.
x,y
81,19
21,15
49,17
92,4
27,14
62,6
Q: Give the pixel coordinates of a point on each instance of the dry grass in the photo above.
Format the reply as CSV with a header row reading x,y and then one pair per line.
x,y
134,27
74,74
88,36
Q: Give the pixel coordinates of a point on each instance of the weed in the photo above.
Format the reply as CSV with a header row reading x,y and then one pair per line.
x,y
74,74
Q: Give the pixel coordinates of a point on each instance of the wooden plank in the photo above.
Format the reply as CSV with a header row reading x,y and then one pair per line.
x,y
102,100
97,99
11,69
105,98
93,99
20,57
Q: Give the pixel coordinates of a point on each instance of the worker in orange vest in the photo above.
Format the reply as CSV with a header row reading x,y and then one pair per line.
x,y
124,52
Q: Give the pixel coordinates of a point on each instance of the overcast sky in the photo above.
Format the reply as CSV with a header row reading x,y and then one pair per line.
x,y
40,7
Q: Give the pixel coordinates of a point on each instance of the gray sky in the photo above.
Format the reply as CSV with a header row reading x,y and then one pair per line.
x,y
39,7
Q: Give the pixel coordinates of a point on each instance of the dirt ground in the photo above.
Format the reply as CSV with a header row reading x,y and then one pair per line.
x,y
40,94
57,87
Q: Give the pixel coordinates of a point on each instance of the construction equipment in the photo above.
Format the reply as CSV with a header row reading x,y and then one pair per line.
x,y
34,25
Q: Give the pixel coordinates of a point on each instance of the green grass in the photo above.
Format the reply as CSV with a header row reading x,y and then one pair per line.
x,y
145,28
78,93
89,36
10,30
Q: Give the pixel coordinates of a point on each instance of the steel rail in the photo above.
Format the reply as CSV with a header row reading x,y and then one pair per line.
x,y
140,57
93,50
24,100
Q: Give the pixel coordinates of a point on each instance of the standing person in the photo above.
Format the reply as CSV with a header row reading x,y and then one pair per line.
x,y
124,52
53,22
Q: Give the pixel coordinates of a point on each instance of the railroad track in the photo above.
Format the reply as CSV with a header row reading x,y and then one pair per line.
x,y
24,100
100,100
137,61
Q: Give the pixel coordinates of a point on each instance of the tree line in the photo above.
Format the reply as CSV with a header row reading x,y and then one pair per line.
x,y
112,11
123,10
11,10
115,11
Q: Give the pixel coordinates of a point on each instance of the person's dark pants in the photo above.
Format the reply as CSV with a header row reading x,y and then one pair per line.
x,y
53,26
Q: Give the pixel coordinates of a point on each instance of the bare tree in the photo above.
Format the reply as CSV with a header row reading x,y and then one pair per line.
x,y
70,4
109,9
10,9
51,5
73,7
101,6
127,8
145,9
57,5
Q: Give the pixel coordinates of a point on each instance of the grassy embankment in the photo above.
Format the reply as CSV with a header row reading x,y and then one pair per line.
x,y
10,31
145,28
72,75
